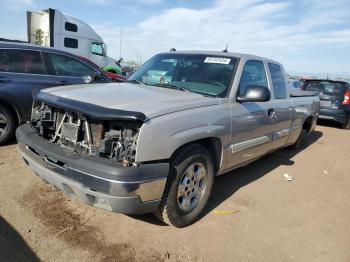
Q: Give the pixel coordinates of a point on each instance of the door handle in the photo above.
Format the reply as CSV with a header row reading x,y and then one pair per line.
x,y
271,113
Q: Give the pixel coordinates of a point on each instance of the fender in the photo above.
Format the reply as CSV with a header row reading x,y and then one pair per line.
x,y
197,133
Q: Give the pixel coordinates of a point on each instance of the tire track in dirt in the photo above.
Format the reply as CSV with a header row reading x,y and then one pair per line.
x,y
52,208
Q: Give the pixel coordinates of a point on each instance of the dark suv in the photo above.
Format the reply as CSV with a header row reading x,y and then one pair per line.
x,y
25,69
334,99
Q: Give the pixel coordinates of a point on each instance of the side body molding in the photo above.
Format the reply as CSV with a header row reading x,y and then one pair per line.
x,y
250,143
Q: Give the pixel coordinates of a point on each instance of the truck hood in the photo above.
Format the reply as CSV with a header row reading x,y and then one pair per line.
x,y
152,101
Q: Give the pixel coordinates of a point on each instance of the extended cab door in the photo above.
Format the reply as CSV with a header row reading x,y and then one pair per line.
x,y
251,134
281,106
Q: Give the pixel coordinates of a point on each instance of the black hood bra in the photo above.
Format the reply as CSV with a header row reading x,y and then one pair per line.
x,y
91,111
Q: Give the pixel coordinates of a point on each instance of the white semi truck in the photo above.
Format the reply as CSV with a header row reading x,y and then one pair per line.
x,y
53,28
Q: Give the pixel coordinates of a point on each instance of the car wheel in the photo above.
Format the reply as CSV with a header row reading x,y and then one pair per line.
x,y
299,141
346,125
188,187
7,125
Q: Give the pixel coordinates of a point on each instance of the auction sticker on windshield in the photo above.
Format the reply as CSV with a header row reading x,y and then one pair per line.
x,y
217,60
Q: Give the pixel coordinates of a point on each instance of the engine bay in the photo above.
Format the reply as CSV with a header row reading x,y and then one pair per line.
x,y
115,140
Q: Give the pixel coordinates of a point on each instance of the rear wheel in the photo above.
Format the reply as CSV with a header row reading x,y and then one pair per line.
x,y
346,125
299,141
7,125
188,187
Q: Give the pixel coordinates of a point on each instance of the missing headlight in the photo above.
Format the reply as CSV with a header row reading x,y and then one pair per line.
x,y
120,142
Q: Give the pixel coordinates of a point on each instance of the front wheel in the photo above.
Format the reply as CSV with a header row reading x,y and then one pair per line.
x,y
188,187
7,125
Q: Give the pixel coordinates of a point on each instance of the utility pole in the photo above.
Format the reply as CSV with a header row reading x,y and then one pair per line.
x,y
121,40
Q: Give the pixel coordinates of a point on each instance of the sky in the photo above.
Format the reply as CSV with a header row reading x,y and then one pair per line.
x,y
307,36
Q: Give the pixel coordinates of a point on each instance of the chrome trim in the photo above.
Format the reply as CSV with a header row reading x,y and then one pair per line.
x,y
281,133
147,190
248,144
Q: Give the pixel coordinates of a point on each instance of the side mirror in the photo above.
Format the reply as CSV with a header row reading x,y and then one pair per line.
x,y
87,79
255,94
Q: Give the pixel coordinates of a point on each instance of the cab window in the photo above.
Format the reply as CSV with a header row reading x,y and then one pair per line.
x,y
62,65
253,74
98,49
278,82
21,61
70,42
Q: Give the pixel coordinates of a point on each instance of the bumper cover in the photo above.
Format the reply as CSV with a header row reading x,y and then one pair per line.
x,y
96,181
338,115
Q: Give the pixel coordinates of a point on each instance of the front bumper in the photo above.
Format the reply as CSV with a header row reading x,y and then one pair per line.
x,y
95,181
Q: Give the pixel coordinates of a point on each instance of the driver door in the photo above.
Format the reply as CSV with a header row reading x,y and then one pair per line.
x,y
251,134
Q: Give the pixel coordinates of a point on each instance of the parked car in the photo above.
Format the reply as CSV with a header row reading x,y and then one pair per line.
x,y
113,76
334,99
140,146
25,69
296,84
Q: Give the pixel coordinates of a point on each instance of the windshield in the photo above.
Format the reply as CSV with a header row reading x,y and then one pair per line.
x,y
98,49
207,75
337,88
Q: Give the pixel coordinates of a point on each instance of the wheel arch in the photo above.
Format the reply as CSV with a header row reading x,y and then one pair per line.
x,y
212,144
13,109
308,124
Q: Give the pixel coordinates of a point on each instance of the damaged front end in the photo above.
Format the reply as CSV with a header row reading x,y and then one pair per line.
x,y
113,139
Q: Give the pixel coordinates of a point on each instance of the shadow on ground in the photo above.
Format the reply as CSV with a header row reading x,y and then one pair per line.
x,y
12,245
227,184
329,123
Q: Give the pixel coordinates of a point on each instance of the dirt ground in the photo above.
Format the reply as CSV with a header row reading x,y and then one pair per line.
x,y
306,219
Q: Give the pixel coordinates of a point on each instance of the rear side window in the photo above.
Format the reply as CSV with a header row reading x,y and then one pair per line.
x,y
327,87
253,74
21,61
62,65
70,42
278,81
71,27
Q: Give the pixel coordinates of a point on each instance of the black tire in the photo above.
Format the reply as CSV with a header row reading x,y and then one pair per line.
x,y
170,211
346,125
298,144
7,125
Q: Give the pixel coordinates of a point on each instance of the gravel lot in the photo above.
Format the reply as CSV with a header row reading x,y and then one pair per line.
x,y
306,219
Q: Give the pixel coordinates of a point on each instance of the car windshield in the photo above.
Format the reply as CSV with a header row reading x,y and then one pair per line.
x,y
204,74
337,88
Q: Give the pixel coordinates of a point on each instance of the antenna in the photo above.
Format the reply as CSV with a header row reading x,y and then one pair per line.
x,y
225,50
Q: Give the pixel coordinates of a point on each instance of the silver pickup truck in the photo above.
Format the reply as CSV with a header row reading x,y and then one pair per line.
x,y
155,142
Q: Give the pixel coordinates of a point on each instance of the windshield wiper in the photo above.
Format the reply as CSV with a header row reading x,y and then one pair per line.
x,y
172,86
133,81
